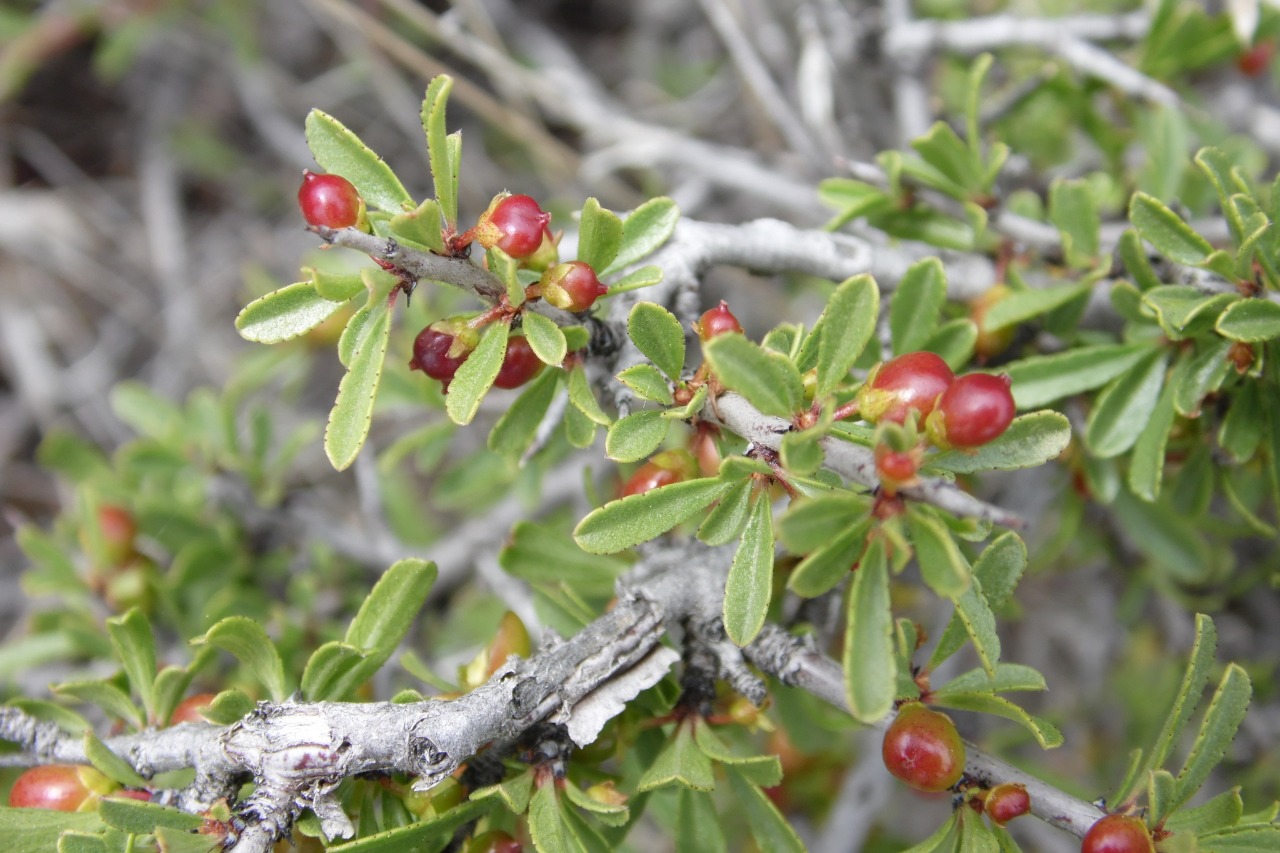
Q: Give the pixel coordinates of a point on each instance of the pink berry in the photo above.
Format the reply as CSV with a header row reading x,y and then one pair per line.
x,y
572,286
717,321
519,365
910,382
330,201
515,224
976,408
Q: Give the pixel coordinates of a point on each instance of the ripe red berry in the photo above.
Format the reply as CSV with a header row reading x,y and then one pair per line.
x,y
662,469
717,321
439,351
1117,833
191,709
896,468
1256,59
922,748
975,409
61,787
519,365
572,286
910,382
513,223
1005,802
328,200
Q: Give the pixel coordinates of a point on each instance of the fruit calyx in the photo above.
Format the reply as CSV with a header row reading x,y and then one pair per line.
x,y
571,286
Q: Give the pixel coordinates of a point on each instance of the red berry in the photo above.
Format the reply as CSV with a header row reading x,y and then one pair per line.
x,y
1117,833
519,365
61,787
896,468
1256,59
191,709
662,469
438,352
1005,802
328,200
513,223
975,409
922,748
572,286
910,382
717,321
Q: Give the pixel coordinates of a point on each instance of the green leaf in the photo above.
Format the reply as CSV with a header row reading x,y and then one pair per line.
x,y
433,834
599,235
697,828
634,437
1040,380
870,666
352,411
768,827
1134,255
826,566
852,199
1122,409
1166,231
1022,305
1031,440
106,696
1045,733
138,818
623,523
916,305
246,640
1217,731
475,377
725,522
579,430
807,523
1146,467
1177,550
801,454
941,839
996,573
515,431
1217,813
388,611
420,228
1243,839
980,624
843,330
1004,678
947,153
1181,308
541,555
637,279
334,672
610,815
444,172
228,707
768,380
656,332
110,764
1205,373
647,382
135,647
954,341
680,762
583,398
81,842
340,152
943,567
643,231
1250,320
514,792
336,286
545,338
37,830
750,583
1073,211
284,314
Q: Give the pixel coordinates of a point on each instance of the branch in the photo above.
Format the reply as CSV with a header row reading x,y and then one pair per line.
x,y
855,462
797,663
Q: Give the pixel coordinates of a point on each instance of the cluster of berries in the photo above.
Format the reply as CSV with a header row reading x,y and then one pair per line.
x,y
963,412
514,224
